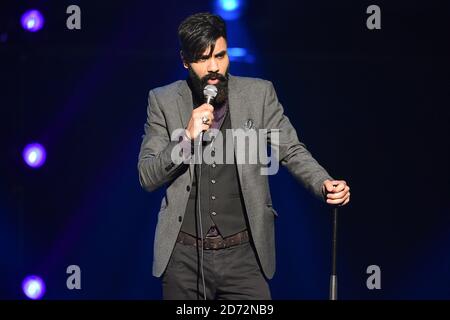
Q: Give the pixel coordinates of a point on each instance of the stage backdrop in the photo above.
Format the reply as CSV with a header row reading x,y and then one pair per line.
x,y
371,106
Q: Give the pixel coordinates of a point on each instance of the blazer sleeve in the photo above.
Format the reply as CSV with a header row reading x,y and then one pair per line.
x,y
292,153
160,159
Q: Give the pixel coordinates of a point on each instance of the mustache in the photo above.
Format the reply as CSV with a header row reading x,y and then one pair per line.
x,y
214,76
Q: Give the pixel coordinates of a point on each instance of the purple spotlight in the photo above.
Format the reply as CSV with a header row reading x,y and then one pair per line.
x,y
33,287
32,20
34,155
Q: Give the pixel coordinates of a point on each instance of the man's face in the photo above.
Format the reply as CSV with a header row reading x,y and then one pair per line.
x,y
211,69
214,63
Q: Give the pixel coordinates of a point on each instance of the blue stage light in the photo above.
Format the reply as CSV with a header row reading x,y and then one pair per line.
x,y
32,20
240,55
33,287
34,155
229,9
229,5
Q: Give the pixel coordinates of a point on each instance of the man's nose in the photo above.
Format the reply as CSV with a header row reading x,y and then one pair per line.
x,y
213,66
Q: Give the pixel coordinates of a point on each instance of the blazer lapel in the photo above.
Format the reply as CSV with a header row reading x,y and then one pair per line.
x,y
237,115
184,103
185,106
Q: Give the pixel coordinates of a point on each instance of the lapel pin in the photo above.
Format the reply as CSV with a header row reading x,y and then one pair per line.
x,y
248,124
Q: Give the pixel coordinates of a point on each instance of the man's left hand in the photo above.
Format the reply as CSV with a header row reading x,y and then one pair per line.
x,y
337,192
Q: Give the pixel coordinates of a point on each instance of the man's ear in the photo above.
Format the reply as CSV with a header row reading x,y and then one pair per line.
x,y
185,64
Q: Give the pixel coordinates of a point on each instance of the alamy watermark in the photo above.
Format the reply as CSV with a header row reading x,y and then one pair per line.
x,y
74,279
373,22
241,147
73,21
374,280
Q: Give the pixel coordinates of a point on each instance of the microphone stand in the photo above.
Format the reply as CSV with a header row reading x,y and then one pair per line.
x,y
209,98
333,278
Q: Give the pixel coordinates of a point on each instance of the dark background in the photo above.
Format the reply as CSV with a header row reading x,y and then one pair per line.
x,y
371,106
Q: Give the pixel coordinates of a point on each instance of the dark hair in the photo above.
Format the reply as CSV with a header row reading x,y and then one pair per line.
x,y
198,32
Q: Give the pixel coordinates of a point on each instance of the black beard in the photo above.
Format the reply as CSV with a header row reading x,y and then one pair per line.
x,y
197,85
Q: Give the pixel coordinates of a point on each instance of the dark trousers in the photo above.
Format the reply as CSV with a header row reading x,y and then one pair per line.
x,y
230,274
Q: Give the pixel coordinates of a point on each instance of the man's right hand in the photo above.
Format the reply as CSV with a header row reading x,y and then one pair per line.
x,y
196,125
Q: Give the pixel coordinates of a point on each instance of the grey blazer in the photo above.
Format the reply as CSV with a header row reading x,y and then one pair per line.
x,y
170,108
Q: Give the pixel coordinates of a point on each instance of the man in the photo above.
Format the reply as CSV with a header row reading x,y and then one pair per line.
x,y
215,233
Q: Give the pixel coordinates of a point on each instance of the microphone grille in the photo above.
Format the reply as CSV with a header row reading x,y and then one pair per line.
x,y
210,91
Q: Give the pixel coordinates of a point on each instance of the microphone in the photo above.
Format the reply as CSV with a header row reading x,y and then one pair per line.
x,y
210,92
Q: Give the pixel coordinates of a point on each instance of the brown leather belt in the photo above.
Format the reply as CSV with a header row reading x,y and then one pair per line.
x,y
213,243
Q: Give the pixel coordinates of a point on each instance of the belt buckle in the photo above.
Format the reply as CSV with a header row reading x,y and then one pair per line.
x,y
214,243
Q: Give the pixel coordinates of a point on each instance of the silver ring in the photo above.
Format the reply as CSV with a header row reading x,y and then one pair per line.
x,y
205,120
